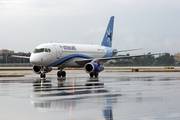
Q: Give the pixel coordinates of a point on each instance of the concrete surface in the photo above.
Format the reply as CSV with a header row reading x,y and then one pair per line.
x,y
111,96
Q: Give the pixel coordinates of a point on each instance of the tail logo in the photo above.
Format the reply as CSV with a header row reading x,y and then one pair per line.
x,y
109,35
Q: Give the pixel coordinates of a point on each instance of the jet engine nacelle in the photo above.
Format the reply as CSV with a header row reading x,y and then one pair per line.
x,y
93,67
37,69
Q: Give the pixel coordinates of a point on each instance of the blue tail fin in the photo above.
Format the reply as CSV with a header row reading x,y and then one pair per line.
x,y
107,40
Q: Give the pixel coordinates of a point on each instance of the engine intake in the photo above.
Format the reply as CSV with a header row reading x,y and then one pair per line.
x,y
37,69
93,67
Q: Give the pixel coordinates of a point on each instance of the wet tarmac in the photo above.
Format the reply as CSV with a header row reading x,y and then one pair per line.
x,y
112,96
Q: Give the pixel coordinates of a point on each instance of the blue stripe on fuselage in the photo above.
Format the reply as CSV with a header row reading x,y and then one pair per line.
x,y
60,61
109,52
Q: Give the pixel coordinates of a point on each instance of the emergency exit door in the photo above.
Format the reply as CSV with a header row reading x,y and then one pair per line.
x,y
58,51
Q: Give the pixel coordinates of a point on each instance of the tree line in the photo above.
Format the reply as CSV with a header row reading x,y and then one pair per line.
x,y
162,60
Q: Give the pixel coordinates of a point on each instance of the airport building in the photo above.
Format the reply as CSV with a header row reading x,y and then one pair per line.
x,y
7,60
177,56
5,51
11,52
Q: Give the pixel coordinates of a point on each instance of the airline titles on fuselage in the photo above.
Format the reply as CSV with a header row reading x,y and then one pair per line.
x,y
65,47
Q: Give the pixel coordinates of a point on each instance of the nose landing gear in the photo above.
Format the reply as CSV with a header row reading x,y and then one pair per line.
x,y
42,75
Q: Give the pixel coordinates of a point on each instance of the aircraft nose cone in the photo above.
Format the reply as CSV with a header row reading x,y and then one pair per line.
x,y
34,60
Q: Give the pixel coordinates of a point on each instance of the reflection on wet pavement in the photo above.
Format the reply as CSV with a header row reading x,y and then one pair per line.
x,y
67,93
154,96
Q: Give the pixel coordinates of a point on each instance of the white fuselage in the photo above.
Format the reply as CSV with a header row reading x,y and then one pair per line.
x,y
61,54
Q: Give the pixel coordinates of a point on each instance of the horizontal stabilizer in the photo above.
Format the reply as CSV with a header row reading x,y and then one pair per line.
x,y
128,50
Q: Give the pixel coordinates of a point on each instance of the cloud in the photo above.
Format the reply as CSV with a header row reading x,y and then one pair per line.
x,y
151,24
95,30
170,44
83,7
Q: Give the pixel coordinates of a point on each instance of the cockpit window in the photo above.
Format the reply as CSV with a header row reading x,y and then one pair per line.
x,y
41,50
38,50
46,50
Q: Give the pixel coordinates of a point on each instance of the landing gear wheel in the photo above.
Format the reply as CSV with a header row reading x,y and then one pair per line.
x,y
63,73
43,75
91,74
96,74
59,74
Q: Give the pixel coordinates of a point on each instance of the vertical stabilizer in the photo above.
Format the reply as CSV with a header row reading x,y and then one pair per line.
x,y
107,40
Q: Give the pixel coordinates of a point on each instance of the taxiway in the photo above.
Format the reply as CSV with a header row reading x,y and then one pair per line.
x,y
120,95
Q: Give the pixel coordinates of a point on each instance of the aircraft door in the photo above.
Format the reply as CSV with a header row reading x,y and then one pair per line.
x,y
58,51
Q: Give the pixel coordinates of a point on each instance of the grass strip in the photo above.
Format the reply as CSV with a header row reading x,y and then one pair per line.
x,y
11,75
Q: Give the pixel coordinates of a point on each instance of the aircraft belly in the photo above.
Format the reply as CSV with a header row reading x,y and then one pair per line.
x,y
72,63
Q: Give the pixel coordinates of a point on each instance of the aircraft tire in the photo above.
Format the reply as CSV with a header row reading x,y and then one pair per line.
x,y
91,74
63,73
43,75
96,74
59,74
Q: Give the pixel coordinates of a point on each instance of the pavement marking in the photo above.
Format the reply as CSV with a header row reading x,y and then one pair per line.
x,y
149,118
98,117
173,115
123,114
147,113
101,118
144,111
164,109
75,119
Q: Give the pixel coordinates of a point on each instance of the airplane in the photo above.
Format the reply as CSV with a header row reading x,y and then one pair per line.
x,y
63,55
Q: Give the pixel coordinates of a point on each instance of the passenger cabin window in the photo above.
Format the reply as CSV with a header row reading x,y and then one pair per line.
x,y
41,50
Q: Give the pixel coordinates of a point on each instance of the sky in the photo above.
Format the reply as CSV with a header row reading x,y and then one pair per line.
x,y
153,25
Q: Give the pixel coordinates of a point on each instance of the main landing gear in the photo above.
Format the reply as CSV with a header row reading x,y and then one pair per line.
x,y
93,74
42,75
61,74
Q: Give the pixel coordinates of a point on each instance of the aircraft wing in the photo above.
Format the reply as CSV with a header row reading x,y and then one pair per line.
x,y
20,56
128,50
84,61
